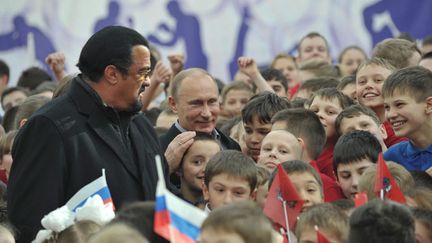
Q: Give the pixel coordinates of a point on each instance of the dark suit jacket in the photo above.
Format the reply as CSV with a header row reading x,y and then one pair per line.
x,y
227,142
65,145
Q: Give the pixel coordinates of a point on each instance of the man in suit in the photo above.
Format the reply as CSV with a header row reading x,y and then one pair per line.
x,y
67,143
195,99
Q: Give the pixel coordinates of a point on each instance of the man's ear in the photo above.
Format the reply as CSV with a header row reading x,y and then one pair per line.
x,y
172,104
205,192
111,74
429,105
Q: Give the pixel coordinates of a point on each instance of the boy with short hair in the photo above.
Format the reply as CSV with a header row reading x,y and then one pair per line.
x,y
408,107
354,152
306,126
347,86
329,219
312,85
313,46
381,221
234,97
257,116
279,146
306,180
399,53
400,175
242,222
276,80
327,104
370,78
230,176
358,117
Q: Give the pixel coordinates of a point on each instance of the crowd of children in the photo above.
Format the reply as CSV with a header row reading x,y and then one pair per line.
x,y
327,126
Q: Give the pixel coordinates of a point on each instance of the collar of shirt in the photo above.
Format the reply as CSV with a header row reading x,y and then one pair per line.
x,y
412,151
215,133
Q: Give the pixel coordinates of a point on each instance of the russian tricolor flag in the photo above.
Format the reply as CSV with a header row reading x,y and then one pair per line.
x,y
175,219
96,187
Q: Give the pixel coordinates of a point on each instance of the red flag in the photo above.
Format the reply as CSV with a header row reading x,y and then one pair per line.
x,y
281,190
320,237
384,181
360,199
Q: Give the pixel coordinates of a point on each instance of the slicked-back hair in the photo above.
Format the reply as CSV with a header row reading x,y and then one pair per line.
x,y
264,106
271,74
382,221
232,163
304,124
298,167
413,81
354,147
176,82
355,111
396,51
331,94
110,46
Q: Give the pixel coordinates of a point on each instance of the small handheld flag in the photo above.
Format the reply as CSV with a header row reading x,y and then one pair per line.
x,y
385,186
96,187
320,237
175,219
282,190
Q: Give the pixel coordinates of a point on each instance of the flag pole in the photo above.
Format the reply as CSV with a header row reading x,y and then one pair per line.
x,y
286,221
382,194
161,180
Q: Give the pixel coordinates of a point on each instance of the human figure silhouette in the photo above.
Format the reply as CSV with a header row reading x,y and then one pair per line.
x,y
187,28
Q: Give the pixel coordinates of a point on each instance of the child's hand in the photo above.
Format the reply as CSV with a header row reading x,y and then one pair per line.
x,y
248,66
176,149
161,74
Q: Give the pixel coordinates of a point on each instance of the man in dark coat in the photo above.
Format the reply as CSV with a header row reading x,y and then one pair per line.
x,y
195,99
67,143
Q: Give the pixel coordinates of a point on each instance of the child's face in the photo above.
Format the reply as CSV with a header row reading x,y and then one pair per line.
x,y
348,176
278,88
279,146
224,189
254,134
235,100
422,233
369,82
365,123
327,110
288,69
350,61
350,91
195,161
261,194
209,235
308,188
309,235
406,115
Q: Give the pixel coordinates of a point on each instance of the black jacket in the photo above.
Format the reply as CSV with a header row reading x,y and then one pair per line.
x,y
65,145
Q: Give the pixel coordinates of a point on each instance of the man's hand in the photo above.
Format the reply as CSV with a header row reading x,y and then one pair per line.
x,y
56,61
176,149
